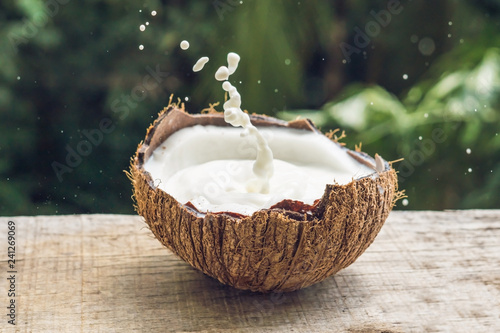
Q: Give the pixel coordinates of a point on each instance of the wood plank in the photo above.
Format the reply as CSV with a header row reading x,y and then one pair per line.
x,y
426,271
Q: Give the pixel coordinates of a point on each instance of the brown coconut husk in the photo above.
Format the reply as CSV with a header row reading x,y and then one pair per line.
x,y
286,247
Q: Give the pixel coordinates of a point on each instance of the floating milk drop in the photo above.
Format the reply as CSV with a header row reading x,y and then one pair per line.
x,y
426,115
142,27
153,13
186,99
141,47
147,23
405,76
18,78
420,138
232,62
184,45
222,73
288,62
468,151
470,169
405,202
200,64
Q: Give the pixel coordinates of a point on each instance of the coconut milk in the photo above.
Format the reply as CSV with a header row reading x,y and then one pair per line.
x,y
210,167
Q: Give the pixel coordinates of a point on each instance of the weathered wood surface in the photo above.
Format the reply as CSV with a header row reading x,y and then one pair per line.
x,y
425,272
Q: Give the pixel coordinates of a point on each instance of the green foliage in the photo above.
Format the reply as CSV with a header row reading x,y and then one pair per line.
x,y
66,68
462,105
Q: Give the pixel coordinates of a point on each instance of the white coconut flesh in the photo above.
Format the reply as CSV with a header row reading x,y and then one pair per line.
x,y
211,167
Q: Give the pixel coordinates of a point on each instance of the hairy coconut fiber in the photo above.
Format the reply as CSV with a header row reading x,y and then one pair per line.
x,y
284,248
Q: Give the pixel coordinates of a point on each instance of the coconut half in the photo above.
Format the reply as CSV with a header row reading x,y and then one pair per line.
x,y
290,245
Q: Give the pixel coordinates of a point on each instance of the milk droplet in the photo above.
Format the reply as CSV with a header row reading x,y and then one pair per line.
x,y
426,115
258,81
184,45
226,86
468,151
141,47
420,138
142,27
405,202
222,74
276,90
449,35
232,62
450,23
470,169
147,23
186,98
200,64
18,78
405,76
344,61
153,13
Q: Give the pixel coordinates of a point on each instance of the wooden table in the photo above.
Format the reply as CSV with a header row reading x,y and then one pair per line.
x,y
425,272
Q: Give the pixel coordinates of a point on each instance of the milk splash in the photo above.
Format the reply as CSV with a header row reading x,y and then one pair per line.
x,y
263,167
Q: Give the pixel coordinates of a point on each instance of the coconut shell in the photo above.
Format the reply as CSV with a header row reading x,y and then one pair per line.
x,y
286,247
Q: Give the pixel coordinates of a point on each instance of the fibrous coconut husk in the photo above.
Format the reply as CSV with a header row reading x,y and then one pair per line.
x,y
284,248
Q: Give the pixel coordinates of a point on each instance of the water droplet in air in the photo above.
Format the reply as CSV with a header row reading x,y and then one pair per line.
x,y
405,202
141,47
426,115
414,39
405,76
449,35
18,78
288,62
147,23
468,151
344,61
450,23
420,138
275,90
153,13
426,46
186,98
470,169
142,27
258,81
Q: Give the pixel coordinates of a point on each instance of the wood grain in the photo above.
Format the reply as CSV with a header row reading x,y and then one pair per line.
x,y
425,272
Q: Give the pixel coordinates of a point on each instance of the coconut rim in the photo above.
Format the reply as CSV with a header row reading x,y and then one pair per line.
x,y
172,119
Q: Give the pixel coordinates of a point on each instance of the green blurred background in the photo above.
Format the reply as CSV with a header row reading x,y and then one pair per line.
x,y
412,79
